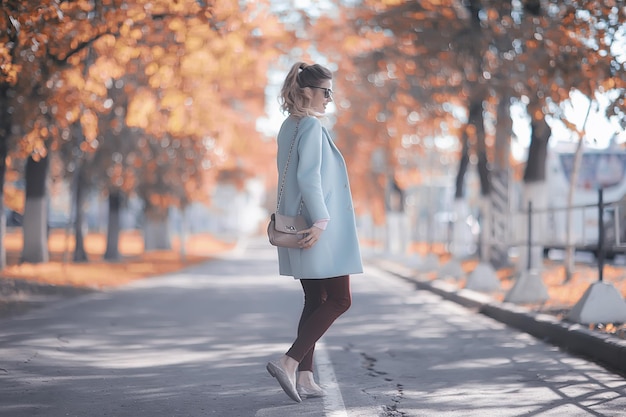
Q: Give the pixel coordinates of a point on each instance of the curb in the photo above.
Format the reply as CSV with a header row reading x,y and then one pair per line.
x,y
605,350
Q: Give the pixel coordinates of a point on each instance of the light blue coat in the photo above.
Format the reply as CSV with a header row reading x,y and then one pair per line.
x,y
317,174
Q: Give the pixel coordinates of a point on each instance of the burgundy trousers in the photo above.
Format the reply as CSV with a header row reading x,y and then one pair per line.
x,y
324,301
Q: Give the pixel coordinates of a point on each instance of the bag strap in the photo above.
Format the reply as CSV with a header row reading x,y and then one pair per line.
x,y
282,184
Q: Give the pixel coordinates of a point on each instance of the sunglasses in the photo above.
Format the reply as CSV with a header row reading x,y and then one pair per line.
x,y
328,93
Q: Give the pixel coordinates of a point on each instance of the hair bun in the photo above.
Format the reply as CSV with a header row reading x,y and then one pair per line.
x,y
302,66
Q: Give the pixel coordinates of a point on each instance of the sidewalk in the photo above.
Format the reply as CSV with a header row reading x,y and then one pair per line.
x,y
604,349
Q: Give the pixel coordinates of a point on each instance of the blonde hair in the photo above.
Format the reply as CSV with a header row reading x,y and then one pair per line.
x,y
294,97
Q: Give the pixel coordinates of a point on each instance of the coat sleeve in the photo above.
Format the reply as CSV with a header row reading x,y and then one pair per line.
x,y
309,168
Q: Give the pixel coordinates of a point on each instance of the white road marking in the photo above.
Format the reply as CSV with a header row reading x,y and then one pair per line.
x,y
333,401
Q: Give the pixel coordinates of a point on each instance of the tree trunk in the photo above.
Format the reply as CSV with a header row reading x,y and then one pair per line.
x,y
504,128
538,151
476,135
476,132
5,130
112,252
3,220
459,191
184,227
80,255
459,243
534,189
476,121
499,196
35,224
156,229
570,250
478,92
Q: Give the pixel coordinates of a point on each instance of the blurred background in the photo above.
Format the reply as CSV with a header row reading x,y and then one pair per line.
x,y
454,116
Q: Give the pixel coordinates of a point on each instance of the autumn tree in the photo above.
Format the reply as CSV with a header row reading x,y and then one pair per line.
x,y
116,72
477,56
196,99
556,55
425,61
30,57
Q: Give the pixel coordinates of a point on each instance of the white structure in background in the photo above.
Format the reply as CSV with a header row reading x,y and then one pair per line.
x,y
601,303
483,278
464,230
238,212
599,168
233,212
528,288
451,269
398,232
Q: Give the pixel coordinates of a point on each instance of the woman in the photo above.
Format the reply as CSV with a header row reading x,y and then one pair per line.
x,y
315,185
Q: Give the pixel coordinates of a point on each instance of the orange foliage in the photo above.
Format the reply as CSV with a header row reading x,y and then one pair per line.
x,y
407,67
178,83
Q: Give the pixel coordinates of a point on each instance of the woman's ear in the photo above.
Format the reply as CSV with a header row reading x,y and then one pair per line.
x,y
308,93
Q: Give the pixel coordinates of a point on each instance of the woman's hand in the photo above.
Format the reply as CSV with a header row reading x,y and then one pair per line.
x,y
311,236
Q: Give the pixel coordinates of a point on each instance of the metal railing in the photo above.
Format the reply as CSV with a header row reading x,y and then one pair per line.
x,y
607,240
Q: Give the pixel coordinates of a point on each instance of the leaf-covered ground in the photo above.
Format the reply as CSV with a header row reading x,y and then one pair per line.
x,y
97,273
563,296
24,286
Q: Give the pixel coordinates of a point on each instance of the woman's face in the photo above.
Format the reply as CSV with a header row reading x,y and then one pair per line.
x,y
322,95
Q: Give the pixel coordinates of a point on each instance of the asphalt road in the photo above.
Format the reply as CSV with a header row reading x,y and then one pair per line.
x,y
195,343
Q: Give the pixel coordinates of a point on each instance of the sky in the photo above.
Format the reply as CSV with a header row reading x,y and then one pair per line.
x,y
598,129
